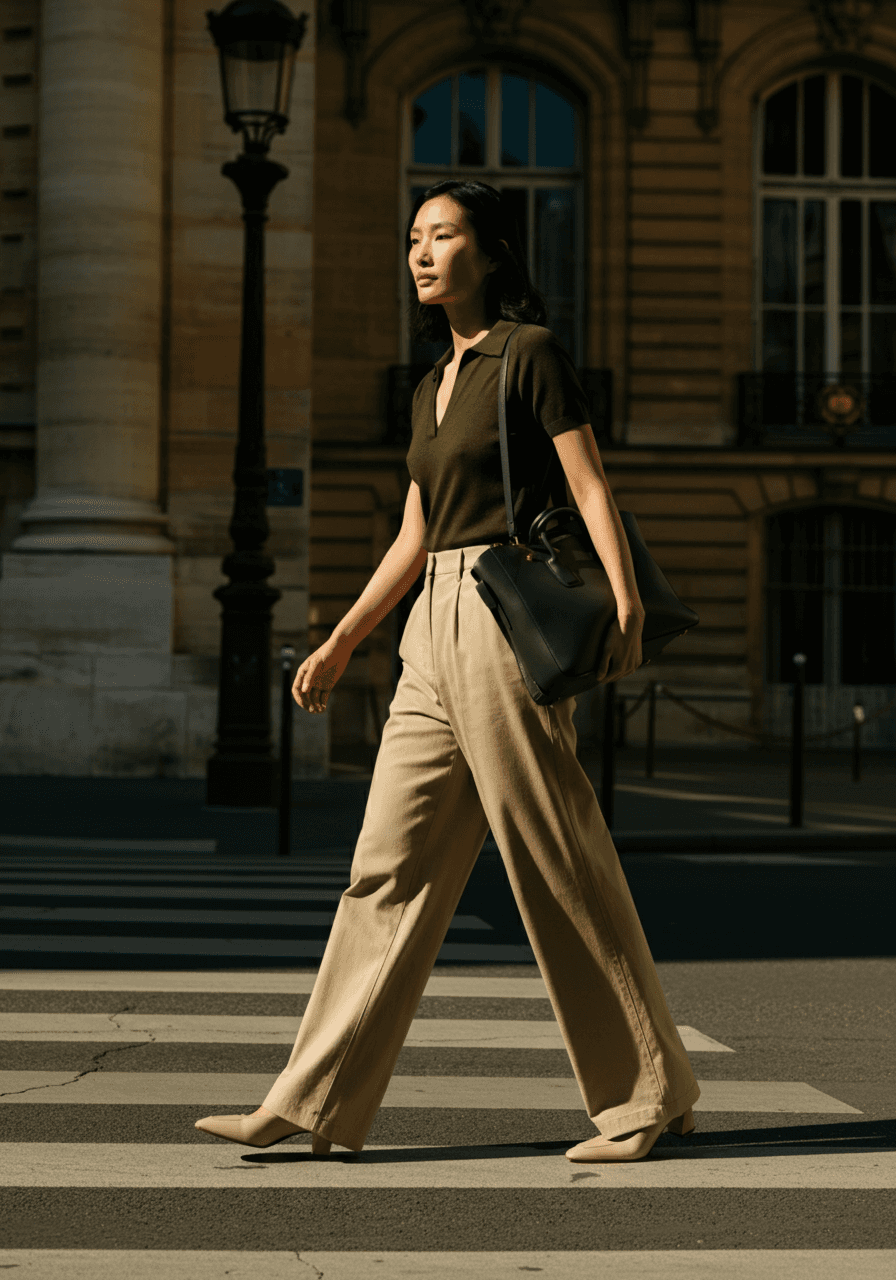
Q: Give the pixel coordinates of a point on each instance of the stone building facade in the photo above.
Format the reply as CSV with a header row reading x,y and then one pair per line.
x,y
710,209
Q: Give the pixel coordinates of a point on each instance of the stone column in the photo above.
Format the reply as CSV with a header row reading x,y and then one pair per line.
x,y
91,571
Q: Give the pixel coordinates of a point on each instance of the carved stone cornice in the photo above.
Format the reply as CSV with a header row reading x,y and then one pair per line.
x,y
494,20
844,25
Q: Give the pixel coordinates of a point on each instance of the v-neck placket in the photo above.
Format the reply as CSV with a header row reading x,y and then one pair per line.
x,y
437,378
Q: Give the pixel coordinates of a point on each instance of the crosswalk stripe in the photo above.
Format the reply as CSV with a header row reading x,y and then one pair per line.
x,y
269,948
259,893
261,983
429,1033
194,916
540,1093
113,845
77,1164
604,1264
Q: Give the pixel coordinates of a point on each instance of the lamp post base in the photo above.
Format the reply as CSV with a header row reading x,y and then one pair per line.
x,y
244,780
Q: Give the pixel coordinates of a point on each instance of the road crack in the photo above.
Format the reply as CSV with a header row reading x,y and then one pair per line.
x,y
95,1060
318,1274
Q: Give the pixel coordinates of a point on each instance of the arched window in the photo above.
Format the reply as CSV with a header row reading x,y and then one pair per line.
x,y
831,594
521,135
826,284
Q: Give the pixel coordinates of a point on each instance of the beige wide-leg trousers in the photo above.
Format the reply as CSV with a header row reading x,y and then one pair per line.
x,y
465,748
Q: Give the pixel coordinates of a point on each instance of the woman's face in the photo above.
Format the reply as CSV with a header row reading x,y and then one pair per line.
x,y
445,259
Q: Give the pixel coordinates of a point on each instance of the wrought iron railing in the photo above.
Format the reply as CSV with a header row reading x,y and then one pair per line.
x,y
818,410
402,380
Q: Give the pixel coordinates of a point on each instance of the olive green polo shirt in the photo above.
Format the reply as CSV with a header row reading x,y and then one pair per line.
x,y
457,465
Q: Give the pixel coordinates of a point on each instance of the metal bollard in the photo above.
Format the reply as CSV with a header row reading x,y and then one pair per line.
x,y
620,722
858,713
797,761
287,656
608,754
651,728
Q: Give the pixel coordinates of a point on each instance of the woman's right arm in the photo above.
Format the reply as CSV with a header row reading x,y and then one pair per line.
x,y
398,571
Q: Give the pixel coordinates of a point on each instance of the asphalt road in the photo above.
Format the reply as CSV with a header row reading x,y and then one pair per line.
x,y
118,1030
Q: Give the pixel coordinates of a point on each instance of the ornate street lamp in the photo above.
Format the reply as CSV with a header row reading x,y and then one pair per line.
x,y
257,42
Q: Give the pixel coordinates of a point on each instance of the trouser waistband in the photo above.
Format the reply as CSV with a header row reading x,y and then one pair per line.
x,y
456,561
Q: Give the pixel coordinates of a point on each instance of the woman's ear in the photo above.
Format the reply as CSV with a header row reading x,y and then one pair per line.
x,y
496,262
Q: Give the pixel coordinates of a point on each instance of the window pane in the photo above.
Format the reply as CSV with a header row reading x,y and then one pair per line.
x,y
813,342
514,120
813,251
882,236
851,126
850,252
851,341
883,342
779,143
555,258
432,125
515,201
813,125
868,612
779,251
471,130
555,138
881,133
779,341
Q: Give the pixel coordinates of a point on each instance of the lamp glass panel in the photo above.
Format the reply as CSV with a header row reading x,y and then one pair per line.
x,y
251,70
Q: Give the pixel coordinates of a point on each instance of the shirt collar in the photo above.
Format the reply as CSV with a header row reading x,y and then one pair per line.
x,y
491,345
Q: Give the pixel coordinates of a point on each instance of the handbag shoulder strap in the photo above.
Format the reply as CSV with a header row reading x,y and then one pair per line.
x,y
502,433
558,493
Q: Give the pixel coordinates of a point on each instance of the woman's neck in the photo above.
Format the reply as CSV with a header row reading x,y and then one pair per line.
x,y
468,333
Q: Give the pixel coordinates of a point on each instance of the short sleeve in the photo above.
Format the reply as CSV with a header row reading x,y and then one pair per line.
x,y
549,383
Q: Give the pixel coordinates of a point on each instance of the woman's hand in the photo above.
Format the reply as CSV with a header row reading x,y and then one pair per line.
x,y
622,651
319,672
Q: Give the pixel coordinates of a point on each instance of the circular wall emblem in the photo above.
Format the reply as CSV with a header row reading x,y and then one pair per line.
x,y
840,404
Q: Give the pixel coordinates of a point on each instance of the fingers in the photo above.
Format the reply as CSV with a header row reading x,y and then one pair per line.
x,y
306,693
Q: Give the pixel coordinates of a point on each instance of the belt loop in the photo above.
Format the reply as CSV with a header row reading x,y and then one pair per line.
x,y
460,564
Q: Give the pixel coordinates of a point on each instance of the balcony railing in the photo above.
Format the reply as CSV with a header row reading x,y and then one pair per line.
x,y
848,411
402,380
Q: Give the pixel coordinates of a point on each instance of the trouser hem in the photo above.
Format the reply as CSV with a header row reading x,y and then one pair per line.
x,y
309,1119
617,1122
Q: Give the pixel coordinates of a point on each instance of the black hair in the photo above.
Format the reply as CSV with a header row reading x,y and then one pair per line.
x,y
510,293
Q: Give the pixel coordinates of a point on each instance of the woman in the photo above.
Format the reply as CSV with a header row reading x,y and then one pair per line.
x,y
465,748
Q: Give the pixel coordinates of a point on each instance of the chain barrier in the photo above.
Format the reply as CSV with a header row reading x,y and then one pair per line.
x,y
630,711
759,735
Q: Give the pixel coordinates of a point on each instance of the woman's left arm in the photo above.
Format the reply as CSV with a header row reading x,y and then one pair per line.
x,y
584,471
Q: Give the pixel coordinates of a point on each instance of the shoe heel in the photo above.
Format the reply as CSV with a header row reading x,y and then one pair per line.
x,y
320,1146
682,1124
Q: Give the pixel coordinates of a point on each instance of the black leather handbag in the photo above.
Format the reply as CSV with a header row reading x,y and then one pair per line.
x,y
552,597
